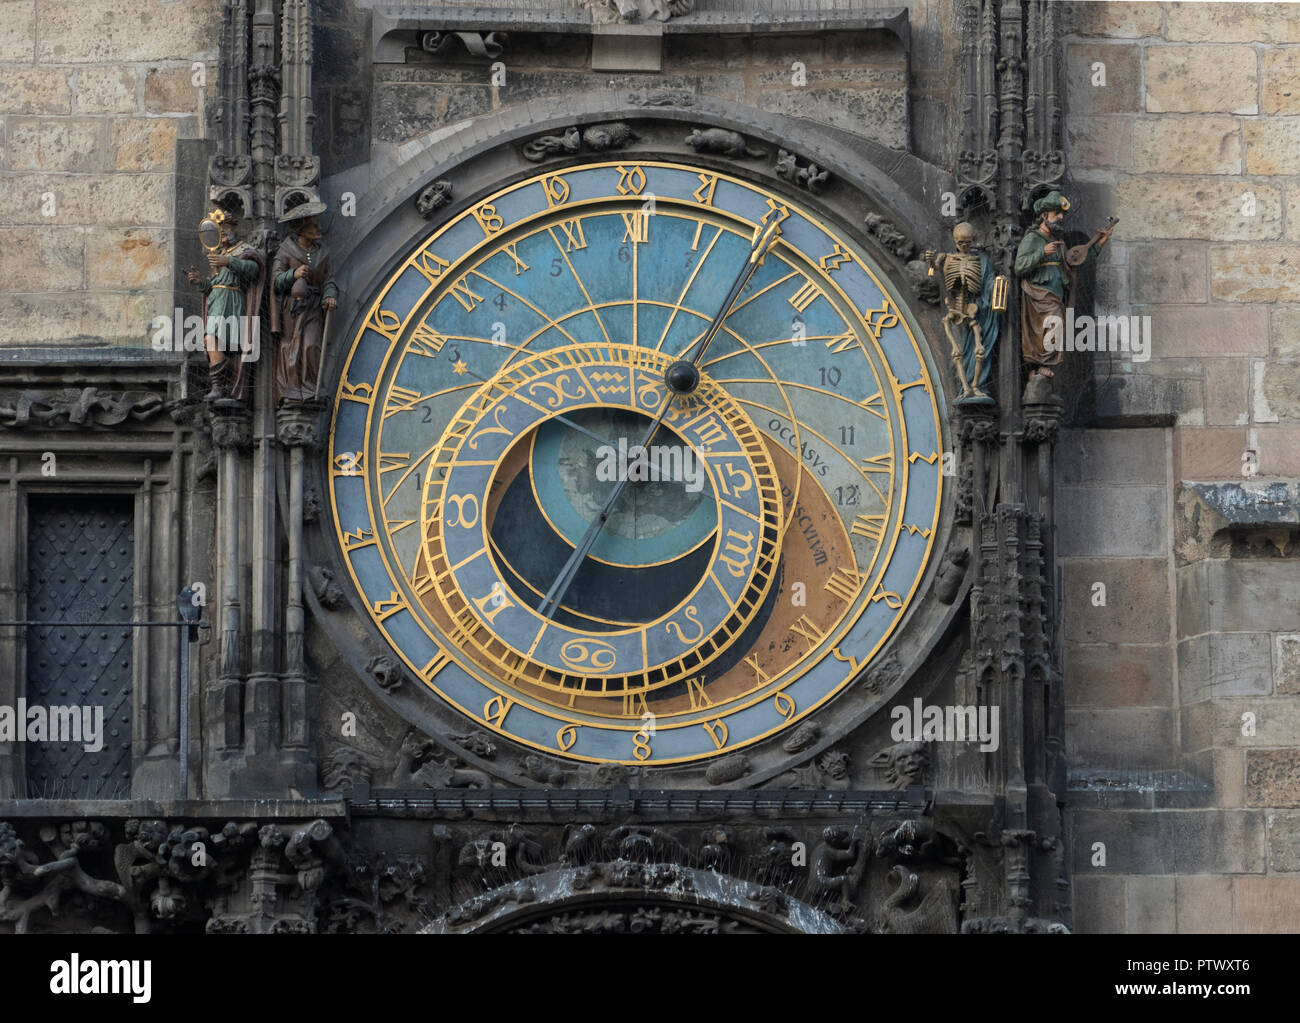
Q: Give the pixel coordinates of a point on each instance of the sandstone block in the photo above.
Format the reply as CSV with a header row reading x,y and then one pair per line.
x,y
1102,141
1240,23
35,259
1118,20
63,144
1170,206
1176,272
18,31
143,143
118,31
1286,665
1283,830
1187,145
1279,450
1255,273
1203,903
1209,453
1098,904
1280,80
106,90
1117,675
1184,331
1273,777
1137,600
172,91
1272,145
1110,457
1170,841
1123,77
118,258
1227,383
1150,906
1112,521
1225,664
1202,79
1265,905
1284,329
35,91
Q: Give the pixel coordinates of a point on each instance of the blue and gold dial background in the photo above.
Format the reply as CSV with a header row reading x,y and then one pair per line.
x,y
616,269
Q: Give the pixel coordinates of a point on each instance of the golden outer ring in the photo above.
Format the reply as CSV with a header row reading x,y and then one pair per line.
x,y
777,684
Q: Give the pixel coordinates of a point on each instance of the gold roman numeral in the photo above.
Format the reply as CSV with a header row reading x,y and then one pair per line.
x,y
520,265
695,690
465,295
809,630
870,526
840,345
425,341
637,227
573,234
835,259
400,399
805,296
844,583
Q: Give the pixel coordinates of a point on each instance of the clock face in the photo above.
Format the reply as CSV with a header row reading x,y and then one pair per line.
x,y
594,563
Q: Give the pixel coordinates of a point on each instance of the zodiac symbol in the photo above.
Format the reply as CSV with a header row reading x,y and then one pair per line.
x,y
496,418
689,614
557,389
588,653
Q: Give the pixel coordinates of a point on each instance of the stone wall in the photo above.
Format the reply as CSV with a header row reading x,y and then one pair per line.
x,y
1182,689
93,96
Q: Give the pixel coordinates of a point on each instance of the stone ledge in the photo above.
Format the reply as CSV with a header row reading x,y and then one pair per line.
x,y
188,809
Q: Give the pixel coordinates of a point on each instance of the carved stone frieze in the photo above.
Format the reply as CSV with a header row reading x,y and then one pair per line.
x,y
327,591
598,138
433,197
807,176
488,45
723,142
79,407
386,671
153,875
903,764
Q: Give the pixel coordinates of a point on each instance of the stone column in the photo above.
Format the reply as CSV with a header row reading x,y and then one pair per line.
x,y
230,435
297,430
13,640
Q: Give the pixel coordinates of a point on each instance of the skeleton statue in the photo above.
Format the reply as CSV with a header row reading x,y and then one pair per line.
x,y
975,297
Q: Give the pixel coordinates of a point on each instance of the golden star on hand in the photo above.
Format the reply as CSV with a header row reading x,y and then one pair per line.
x,y
459,367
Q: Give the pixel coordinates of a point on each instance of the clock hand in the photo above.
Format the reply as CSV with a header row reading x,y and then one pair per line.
x,y
765,236
551,602
682,377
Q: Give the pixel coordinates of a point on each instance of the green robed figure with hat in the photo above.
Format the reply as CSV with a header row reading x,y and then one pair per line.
x,y
232,298
1047,279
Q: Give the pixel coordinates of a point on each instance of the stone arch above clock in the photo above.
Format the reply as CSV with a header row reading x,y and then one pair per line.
x,y
388,224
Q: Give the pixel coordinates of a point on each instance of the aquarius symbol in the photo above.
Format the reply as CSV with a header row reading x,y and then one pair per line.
x,y
609,383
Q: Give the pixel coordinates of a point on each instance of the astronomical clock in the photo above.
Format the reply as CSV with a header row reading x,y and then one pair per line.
x,y
637,461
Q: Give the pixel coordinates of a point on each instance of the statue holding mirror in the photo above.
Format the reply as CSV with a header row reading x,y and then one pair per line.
x,y
232,298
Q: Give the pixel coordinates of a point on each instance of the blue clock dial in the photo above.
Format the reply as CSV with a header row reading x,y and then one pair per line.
x,y
710,585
